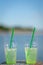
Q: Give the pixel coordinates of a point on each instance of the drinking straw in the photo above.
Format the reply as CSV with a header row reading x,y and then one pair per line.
x,y
11,38
32,39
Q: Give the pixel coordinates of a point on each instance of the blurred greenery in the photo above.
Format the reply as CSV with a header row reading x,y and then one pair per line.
x,y
4,28
16,28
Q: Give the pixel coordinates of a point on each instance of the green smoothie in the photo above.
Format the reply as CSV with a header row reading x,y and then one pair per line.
x,y
31,57
10,56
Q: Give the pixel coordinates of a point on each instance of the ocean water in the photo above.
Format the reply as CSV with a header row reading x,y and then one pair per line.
x,y
20,40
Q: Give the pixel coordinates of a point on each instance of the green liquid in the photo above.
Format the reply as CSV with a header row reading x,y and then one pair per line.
x,y
10,56
31,57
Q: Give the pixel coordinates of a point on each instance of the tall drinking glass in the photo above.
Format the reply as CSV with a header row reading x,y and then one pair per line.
x,y
31,54
10,53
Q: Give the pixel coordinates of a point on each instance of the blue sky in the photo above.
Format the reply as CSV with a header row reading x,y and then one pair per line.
x,y
25,13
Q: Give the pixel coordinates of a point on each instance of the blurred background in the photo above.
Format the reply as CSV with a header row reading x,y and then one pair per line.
x,y
23,16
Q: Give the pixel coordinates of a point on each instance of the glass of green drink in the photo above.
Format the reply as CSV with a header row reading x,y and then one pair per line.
x,y
31,54
10,54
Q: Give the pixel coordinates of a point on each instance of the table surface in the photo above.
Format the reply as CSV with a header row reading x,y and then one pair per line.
x,y
24,63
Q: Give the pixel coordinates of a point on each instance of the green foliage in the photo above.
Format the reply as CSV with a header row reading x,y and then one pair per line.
x,y
16,28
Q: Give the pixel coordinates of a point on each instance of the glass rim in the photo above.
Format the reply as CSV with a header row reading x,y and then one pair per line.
x,y
7,45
